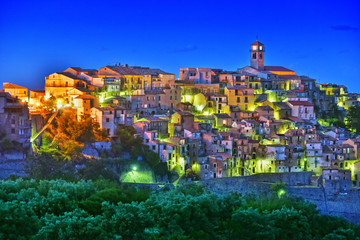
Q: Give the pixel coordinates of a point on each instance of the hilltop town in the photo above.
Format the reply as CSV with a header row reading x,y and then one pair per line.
x,y
209,123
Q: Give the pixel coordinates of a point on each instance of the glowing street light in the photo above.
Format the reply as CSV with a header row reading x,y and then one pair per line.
x,y
281,192
134,168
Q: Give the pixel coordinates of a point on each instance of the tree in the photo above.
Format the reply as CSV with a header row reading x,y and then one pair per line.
x,y
49,164
353,118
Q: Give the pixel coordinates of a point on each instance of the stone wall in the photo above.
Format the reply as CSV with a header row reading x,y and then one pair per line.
x,y
343,203
12,164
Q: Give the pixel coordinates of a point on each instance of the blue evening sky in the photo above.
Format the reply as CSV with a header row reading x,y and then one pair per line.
x,y
316,38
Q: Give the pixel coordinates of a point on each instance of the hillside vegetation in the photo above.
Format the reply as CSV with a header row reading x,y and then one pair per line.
x,y
59,209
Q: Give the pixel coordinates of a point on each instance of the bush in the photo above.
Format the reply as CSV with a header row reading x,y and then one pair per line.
x,y
59,209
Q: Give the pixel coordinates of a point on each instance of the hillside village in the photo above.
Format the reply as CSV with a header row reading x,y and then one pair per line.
x,y
213,123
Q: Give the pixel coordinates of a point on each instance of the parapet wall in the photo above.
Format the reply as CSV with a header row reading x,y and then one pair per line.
x,y
343,203
257,183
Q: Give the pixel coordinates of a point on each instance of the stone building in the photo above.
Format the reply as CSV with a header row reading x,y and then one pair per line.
x,y
15,119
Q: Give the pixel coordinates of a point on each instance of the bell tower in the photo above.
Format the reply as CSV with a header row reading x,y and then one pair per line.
x,y
257,55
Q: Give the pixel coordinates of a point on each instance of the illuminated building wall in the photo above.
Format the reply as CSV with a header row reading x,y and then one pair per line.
x,y
243,97
16,91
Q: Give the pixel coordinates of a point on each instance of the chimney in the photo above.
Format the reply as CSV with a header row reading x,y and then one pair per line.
x,y
119,64
126,65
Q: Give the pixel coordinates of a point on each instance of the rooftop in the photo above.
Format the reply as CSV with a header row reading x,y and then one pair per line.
x,y
300,103
277,68
11,85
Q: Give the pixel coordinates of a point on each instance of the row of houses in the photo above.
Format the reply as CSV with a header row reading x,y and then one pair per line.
x,y
216,123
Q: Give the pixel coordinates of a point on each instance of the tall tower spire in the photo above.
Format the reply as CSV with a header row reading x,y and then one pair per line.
x,y
257,55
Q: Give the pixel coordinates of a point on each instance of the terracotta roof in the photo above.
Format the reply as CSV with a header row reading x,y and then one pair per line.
x,y
265,108
282,105
300,103
277,68
11,85
148,71
294,119
257,43
85,96
124,70
69,75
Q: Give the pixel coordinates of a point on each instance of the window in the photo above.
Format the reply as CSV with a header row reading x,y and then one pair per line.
x,y
254,48
107,120
170,97
254,56
238,99
260,55
13,131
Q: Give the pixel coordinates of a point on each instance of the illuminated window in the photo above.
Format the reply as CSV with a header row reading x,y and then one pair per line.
x,y
260,48
254,48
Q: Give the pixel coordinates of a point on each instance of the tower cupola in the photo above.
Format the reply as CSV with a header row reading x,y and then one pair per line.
x,y
257,55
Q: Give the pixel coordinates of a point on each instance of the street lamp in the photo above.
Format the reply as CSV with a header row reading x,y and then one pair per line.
x,y
281,192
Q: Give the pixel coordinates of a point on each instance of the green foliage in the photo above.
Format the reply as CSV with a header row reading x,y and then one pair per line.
x,y
71,149
127,139
59,209
49,164
353,118
161,169
341,234
151,158
95,169
336,122
113,195
6,145
86,130
275,187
